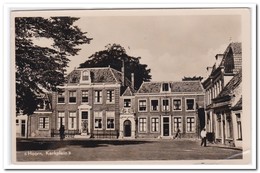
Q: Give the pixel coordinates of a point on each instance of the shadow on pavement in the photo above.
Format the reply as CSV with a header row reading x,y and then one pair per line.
x,y
30,144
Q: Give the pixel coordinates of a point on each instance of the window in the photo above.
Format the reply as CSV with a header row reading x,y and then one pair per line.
x,y
239,127
17,122
229,126
110,120
142,105
177,124
61,97
142,124
219,130
84,122
110,96
165,105
127,103
177,104
154,105
85,96
190,104
43,122
72,96
155,125
190,124
98,120
72,121
165,87
61,119
85,76
98,96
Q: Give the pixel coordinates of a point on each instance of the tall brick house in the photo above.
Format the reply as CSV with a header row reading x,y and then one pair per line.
x,y
88,105
224,96
164,107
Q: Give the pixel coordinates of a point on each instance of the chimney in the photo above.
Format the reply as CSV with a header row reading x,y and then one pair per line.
x,y
209,69
133,80
219,58
123,73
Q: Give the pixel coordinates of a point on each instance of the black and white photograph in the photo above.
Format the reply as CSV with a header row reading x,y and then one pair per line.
x,y
132,86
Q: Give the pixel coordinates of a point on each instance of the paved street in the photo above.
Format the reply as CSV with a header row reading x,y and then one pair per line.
x,y
120,150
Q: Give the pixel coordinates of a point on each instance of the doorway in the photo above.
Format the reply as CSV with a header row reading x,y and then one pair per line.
x,y
166,126
127,128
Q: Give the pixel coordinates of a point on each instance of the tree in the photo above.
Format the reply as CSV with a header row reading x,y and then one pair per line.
x,y
41,68
194,78
114,56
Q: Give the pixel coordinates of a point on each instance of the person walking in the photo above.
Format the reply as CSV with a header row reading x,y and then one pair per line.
x,y
62,130
178,134
203,135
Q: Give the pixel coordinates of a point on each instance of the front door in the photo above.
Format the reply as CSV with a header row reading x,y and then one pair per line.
x,y
166,126
127,128
84,122
23,128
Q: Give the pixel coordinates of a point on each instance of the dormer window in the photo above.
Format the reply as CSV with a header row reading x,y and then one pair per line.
x,y
85,76
165,87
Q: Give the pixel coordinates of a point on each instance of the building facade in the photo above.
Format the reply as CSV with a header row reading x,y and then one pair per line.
x,y
164,107
88,104
223,93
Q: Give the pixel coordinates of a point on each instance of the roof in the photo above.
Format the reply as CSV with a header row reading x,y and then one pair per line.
x,y
231,85
180,86
98,75
128,92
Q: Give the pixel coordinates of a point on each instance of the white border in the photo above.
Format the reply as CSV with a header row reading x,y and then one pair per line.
x,y
5,100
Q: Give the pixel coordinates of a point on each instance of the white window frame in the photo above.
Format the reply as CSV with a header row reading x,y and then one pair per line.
x,y
194,131
169,87
111,115
85,73
151,127
83,91
100,95
72,116
145,131
169,104
130,102
186,106
108,95
75,96
44,128
139,105
173,104
60,116
98,115
64,96
181,126
158,107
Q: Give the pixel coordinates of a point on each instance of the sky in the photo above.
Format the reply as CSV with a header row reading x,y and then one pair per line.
x,y
172,44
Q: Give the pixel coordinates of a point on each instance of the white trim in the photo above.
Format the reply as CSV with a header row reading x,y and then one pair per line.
x,y
195,124
181,128
102,97
82,96
99,115
170,94
113,98
89,86
159,129
75,120
139,105
69,97
170,125
176,98
138,125
110,116
169,105
42,129
194,106
158,109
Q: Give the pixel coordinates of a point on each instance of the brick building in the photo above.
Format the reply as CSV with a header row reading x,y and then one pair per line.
x,y
88,105
164,107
